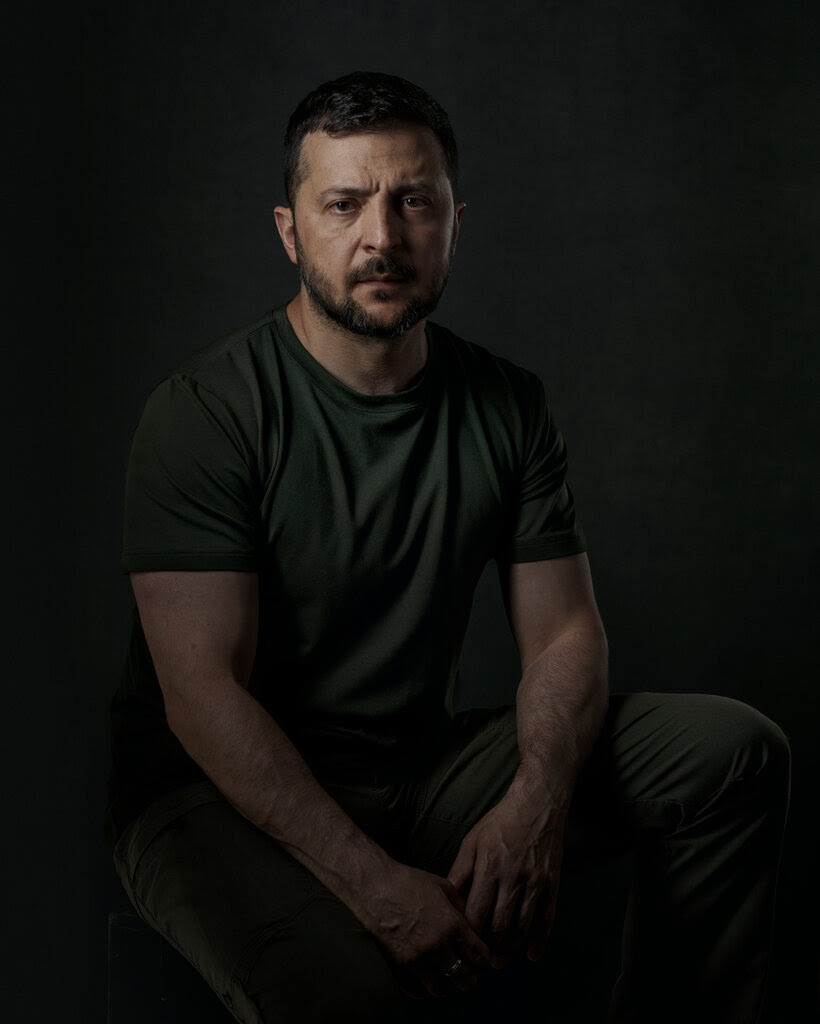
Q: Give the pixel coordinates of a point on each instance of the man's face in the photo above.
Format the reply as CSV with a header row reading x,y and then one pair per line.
x,y
374,228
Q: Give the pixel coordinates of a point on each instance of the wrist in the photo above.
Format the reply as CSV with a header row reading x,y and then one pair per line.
x,y
535,783
365,875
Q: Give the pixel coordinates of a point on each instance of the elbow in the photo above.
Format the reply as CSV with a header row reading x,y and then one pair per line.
x,y
602,652
597,656
183,708
175,714
592,636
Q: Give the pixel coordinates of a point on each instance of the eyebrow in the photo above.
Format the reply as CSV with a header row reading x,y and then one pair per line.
x,y
342,190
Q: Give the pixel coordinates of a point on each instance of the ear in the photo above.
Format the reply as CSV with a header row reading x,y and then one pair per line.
x,y
458,214
284,225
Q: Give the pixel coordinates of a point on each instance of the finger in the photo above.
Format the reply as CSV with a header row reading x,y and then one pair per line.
x,y
480,901
461,976
505,937
465,942
504,915
434,978
462,870
454,896
512,932
527,910
470,948
541,926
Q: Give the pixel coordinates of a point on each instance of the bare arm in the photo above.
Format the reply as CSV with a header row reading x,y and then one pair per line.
x,y
563,693
510,861
201,629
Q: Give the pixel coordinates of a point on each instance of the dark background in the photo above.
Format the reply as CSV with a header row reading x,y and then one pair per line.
x,y
644,201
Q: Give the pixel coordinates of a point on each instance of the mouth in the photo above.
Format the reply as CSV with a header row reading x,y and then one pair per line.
x,y
383,279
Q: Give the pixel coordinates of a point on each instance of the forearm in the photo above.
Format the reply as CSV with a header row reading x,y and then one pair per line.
x,y
561,703
417,917
201,630
254,764
509,863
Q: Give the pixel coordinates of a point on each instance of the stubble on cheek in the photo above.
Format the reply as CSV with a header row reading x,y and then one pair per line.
x,y
351,315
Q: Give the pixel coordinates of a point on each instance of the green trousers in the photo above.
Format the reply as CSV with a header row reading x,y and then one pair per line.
x,y
696,786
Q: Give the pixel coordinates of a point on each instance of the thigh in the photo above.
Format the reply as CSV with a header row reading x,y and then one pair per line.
x,y
267,936
663,757
658,757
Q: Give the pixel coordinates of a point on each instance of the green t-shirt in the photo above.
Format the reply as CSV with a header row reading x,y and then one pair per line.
x,y
368,518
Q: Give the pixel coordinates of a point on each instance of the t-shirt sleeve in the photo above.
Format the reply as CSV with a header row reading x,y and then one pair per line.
x,y
543,523
190,495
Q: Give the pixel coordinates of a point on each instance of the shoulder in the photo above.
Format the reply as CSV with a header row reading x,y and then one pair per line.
x,y
230,389
485,374
239,357
239,372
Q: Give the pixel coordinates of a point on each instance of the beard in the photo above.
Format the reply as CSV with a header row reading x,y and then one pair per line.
x,y
351,315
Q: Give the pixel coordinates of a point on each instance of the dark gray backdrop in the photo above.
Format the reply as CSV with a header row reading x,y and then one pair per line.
x,y
642,229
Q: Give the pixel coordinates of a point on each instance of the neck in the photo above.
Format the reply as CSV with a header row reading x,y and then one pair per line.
x,y
371,366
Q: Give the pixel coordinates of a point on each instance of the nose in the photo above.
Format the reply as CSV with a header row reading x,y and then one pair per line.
x,y
381,226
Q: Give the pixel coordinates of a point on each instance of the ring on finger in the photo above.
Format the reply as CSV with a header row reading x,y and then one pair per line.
x,y
453,968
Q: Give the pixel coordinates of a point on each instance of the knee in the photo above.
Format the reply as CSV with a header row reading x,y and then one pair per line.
x,y
749,745
761,745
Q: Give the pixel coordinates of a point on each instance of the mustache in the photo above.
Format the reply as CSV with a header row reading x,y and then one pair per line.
x,y
381,265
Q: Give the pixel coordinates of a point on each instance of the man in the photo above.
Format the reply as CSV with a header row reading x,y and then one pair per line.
x,y
310,504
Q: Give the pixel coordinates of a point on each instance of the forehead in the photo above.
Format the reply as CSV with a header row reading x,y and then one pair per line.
x,y
405,152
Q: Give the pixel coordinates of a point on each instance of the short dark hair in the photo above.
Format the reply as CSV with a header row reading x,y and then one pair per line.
x,y
365,101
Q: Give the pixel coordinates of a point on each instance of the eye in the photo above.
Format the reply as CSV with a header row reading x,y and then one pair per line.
x,y
414,202
341,206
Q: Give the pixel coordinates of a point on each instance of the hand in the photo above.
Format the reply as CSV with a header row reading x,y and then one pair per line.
x,y
509,867
419,919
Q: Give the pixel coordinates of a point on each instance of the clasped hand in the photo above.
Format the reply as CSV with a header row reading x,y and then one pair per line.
x,y
508,869
498,898
420,920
